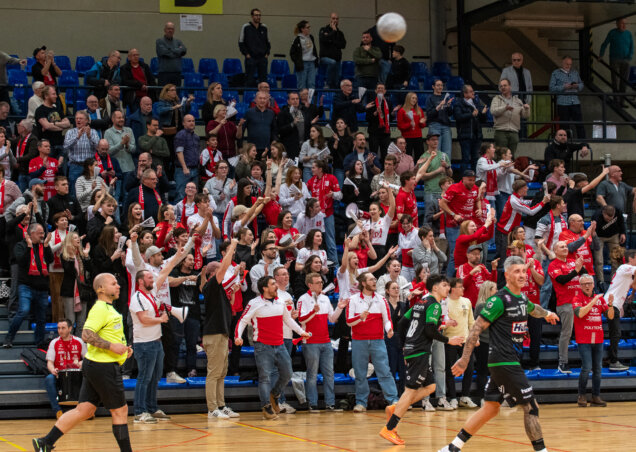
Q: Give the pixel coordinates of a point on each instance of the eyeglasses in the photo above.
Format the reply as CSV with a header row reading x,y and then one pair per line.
x,y
516,59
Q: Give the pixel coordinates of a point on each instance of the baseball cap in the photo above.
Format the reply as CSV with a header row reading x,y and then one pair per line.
x,y
152,251
432,134
472,248
468,173
36,181
37,49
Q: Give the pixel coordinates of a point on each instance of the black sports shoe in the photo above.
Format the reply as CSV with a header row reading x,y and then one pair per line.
x,y
564,369
7,344
268,412
333,409
40,446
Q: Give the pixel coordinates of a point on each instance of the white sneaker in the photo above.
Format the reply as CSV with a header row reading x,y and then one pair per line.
x,y
217,414
466,402
443,405
454,404
482,403
145,418
427,406
161,416
173,377
286,408
443,449
230,412
359,408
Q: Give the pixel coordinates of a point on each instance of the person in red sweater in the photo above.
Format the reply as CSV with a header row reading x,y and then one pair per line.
x,y
45,167
405,202
588,328
576,232
284,228
564,273
460,204
315,311
267,314
469,235
325,188
164,230
411,119
473,273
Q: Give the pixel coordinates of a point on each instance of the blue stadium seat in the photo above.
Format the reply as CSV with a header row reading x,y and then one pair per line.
x,y
348,69
154,65
194,109
193,80
632,75
187,66
327,100
442,70
271,80
17,78
30,62
220,78
241,108
63,62
80,104
14,67
280,97
208,66
414,84
68,78
421,100
83,64
232,66
320,81
76,95
290,81
419,70
229,95
455,84
248,97
279,68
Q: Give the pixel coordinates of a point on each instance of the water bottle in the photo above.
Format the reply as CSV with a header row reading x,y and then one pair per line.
x,y
608,159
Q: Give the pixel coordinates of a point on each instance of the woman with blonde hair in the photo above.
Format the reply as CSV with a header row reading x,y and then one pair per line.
x,y
170,110
293,194
487,290
244,165
277,154
226,131
214,98
411,119
75,262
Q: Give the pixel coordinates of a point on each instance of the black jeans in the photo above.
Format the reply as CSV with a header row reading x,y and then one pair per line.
x,y
415,147
235,353
572,113
614,326
163,78
190,330
451,354
167,341
481,366
396,362
252,65
534,329
379,143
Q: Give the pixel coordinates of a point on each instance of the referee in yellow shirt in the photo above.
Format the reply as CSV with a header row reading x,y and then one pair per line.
x,y
107,351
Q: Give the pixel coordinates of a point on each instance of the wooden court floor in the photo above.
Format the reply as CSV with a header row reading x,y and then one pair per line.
x,y
566,428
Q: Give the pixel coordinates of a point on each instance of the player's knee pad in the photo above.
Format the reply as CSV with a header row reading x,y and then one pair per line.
x,y
534,408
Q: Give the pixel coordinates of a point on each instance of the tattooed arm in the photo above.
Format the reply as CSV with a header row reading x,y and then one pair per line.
x,y
91,337
539,312
473,337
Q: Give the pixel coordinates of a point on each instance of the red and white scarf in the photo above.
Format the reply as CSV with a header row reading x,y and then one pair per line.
x,y
141,197
551,233
198,256
150,297
22,146
491,181
33,268
383,114
109,163
77,301
184,217
57,263
2,191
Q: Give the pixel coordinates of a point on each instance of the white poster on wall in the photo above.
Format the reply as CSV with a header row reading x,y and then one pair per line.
x,y
191,22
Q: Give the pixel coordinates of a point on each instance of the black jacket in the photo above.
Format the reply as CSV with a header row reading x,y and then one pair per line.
x,y
363,198
468,126
288,132
254,41
59,203
151,206
127,79
296,53
606,229
67,289
22,255
345,146
561,151
332,42
347,110
98,74
30,152
377,41
310,113
373,120
400,73
95,227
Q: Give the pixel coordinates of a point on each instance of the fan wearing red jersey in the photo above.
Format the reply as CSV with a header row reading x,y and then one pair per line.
x,y
45,167
474,273
325,188
577,235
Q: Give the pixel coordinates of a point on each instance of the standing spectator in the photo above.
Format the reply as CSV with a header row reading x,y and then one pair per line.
x,y
404,160
170,111
45,70
566,83
121,143
254,45
45,167
614,192
35,101
26,149
427,252
385,48
75,270
137,76
56,271
557,176
291,125
371,163
62,201
332,43
519,77
621,52
312,111
378,117
579,241
564,272
216,330
470,234
9,192
268,314
439,109
65,352
98,121
346,105
206,225
32,255
214,97
7,159
388,176
340,145
588,330
153,142
146,195
411,119
137,121
304,55
5,123
610,230
439,168
48,119
80,143
109,169
227,132
260,123
367,60
101,76
169,50
507,111
562,148
186,146
325,188
469,114
39,210
579,186
4,61
400,73
473,273
271,102
103,217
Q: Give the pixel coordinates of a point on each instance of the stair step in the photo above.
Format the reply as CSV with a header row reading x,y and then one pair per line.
x,y
4,324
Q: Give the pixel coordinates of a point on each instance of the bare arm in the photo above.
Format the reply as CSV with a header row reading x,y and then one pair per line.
x,y
91,337
471,341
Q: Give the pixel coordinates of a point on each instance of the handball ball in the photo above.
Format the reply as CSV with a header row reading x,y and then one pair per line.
x,y
391,27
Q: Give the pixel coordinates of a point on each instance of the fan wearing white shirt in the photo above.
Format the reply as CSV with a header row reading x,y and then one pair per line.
x,y
207,226
313,247
380,225
311,218
293,193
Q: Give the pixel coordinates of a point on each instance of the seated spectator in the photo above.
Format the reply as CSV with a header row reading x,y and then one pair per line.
x,y
101,76
26,148
64,352
99,122
112,103
137,76
312,111
76,264
154,143
45,70
226,131
340,145
214,97
371,163
138,120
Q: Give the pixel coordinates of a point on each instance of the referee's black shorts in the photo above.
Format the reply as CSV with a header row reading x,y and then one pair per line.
x,y
102,383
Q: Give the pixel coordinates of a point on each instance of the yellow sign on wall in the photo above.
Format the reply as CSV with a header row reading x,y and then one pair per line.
x,y
191,6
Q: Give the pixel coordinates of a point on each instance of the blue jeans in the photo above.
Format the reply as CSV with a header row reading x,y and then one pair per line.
x,y
385,68
26,298
289,346
445,137
396,361
307,172
307,77
269,357
149,356
319,356
23,182
75,170
50,384
189,330
451,236
340,175
333,72
592,357
361,351
330,238
546,288
500,202
182,180
470,153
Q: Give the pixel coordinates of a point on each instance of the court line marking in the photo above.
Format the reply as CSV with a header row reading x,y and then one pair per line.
x,y
11,444
163,446
286,435
606,423
477,435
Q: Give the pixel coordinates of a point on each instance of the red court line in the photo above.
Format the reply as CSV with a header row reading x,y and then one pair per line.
x,y
477,435
606,423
